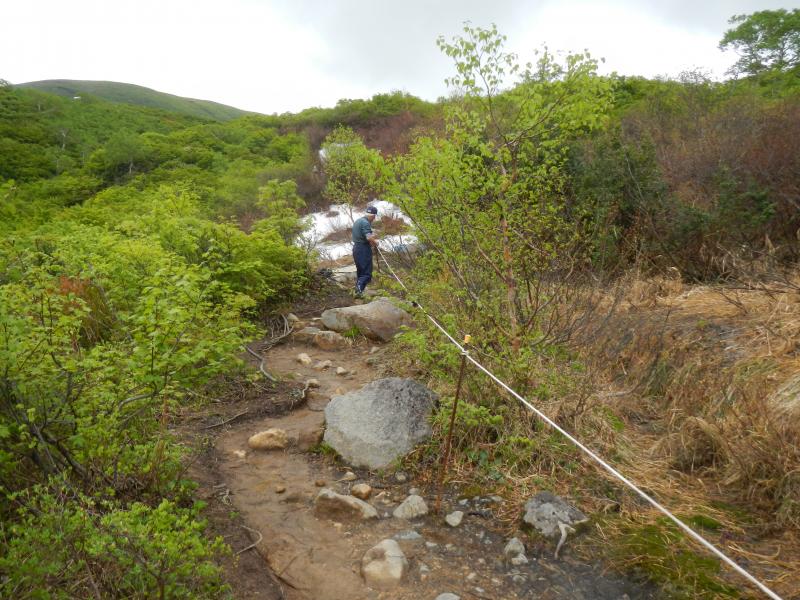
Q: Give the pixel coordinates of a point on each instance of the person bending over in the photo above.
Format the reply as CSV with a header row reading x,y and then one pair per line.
x,y
363,241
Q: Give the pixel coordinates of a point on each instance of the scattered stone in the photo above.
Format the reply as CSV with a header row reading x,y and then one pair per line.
x,y
361,490
279,489
271,439
463,501
431,545
308,438
338,391
414,491
373,350
371,361
384,565
239,453
545,511
448,596
379,423
400,477
304,359
349,476
424,571
332,505
472,576
454,518
330,340
307,335
496,499
515,550
410,542
322,365
292,318
411,508
378,320
346,274
319,483
519,559
312,383
341,371
519,578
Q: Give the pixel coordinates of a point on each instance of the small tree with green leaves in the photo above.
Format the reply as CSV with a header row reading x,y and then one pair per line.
x,y
766,40
354,172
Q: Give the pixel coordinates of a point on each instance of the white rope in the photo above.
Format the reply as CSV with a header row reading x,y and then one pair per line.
x,y
688,530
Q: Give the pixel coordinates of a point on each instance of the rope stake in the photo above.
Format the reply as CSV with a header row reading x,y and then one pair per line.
x,y
448,444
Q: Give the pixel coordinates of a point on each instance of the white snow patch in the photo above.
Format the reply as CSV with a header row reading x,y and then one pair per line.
x,y
342,216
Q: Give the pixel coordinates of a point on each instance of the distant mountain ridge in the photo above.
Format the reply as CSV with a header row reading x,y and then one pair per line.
x,y
128,93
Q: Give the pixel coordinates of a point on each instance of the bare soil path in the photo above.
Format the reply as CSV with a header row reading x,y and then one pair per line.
x,y
271,494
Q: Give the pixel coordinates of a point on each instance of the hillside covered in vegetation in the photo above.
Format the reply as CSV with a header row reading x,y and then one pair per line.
x,y
127,93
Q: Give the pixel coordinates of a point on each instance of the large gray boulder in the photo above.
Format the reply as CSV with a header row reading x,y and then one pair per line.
x,y
546,510
380,422
378,320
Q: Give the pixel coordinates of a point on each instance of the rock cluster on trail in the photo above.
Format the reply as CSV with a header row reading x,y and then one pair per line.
x,y
384,565
378,320
545,511
331,505
304,359
411,508
271,439
382,421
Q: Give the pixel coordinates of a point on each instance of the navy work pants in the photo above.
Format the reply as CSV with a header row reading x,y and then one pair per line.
x,y
362,256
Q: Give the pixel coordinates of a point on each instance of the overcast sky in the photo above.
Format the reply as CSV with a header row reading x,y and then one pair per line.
x,y
286,55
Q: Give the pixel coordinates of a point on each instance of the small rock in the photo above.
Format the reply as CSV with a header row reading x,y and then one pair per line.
x,y
448,596
371,361
349,476
304,359
519,578
373,350
330,340
322,365
239,453
338,391
472,576
400,477
341,371
496,499
411,508
431,545
361,490
309,438
307,335
454,518
279,489
384,565
410,542
464,501
319,483
271,439
312,383
515,552
545,511
332,505
413,491
292,318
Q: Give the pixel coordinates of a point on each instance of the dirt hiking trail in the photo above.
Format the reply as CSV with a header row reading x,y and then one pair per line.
x,y
265,500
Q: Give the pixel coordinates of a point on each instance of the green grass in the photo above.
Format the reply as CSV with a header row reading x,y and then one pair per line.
x,y
127,93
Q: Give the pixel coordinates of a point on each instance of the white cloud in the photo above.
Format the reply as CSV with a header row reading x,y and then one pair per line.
x,y
278,55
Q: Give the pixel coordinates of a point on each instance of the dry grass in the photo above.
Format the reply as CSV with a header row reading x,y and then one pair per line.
x,y
695,393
